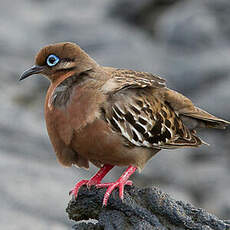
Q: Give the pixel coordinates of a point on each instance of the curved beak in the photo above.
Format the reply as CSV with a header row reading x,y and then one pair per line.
x,y
33,70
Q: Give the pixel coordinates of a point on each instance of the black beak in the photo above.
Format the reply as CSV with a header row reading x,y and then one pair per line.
x,y
33,70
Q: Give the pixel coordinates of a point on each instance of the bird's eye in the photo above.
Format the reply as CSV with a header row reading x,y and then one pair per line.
x,y
52,60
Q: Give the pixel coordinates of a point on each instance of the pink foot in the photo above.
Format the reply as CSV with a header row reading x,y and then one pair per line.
x,y
120,183
111,187
76,188
96,179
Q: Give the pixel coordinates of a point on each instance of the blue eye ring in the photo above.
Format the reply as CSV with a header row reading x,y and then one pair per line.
x,y
52,60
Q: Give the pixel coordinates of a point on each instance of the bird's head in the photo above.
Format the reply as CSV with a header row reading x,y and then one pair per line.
x,y
57,59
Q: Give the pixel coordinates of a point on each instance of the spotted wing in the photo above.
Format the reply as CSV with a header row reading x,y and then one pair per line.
x,y
144,120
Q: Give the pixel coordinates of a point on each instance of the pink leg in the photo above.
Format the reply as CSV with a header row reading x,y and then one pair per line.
x,y
96,179
120,183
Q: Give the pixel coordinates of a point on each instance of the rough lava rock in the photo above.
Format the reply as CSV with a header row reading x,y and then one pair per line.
x,y
148,208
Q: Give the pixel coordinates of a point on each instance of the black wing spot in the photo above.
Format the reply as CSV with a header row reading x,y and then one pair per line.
x,y
135,137
116,117
159,137
118,111
139,128
149,110
140,103
146,135
135,110
159,118
156,129
167,134
164,113
115,125
154,139
129,118
167,123
142,121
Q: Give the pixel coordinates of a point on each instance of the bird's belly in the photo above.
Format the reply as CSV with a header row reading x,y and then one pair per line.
x,y
98,143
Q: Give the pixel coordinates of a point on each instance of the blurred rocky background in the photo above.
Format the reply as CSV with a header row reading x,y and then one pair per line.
x,y
185,41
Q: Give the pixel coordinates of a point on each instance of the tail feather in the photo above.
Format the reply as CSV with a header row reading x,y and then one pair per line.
x,y
204,119
192,116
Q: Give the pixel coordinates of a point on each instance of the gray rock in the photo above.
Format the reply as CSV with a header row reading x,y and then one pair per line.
x,y
148,208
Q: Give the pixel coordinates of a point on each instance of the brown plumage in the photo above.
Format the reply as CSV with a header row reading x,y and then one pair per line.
x,y
110,116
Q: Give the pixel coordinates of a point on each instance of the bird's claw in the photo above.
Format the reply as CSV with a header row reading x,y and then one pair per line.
x,y
76,188
111,187
96,180
88,183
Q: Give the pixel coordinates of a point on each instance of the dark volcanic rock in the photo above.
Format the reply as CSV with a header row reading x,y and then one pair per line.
x,y
148,208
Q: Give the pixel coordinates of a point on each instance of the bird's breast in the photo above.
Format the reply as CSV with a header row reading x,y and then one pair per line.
x,y
69,109
83,107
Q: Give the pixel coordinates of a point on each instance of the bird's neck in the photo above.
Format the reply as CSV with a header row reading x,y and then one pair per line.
x,y
61,89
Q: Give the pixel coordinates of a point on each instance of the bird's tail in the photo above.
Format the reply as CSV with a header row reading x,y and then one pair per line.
x,y
203,119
